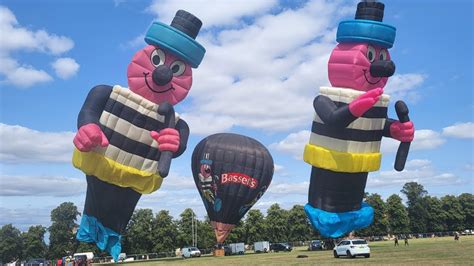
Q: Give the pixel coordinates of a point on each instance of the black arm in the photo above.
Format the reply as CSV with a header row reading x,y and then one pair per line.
x,y
386,128
94,105
331,114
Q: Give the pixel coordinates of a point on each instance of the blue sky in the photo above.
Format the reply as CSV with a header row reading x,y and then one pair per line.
x,y
264,64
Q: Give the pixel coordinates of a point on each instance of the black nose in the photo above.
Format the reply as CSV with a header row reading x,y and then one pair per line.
x,y
162,75
382,68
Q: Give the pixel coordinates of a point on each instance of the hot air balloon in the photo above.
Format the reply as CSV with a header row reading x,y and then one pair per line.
x,y
127,137
349,122
231,173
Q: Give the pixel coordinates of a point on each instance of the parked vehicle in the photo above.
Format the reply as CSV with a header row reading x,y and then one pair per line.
x,y
280,247
36,262
189,252
227,250
315,245
262,246
237,248
352,248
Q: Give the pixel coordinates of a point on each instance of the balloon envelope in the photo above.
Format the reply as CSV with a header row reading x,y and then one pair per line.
x,y
231,173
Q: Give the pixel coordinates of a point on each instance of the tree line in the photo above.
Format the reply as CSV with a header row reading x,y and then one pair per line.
x,y
155,233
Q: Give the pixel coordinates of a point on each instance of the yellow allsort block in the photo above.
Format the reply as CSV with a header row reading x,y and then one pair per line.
x,y
107,170
341,161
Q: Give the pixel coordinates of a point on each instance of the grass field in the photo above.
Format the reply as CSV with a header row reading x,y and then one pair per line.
x,y
426,251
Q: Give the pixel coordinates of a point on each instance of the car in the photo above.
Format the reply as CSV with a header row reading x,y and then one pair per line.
x,y
315,245
227,251
189,252
280,247
352,248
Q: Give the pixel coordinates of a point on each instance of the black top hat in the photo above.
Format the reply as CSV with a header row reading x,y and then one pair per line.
x,y
370,10
187,23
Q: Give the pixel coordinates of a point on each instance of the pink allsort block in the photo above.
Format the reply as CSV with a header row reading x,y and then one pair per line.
x,y
140,76
349,66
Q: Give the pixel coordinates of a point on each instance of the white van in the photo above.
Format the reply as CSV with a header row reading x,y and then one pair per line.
x,y
189,252
262,246
237,248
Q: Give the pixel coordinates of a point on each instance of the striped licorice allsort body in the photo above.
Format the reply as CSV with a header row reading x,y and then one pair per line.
x,y
131,158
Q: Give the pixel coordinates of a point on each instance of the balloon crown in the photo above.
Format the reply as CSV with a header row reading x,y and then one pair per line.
x,y
367,27
179,37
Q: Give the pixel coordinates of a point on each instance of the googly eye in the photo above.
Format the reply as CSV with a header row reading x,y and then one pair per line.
x,y
383,55
157,57
371,53
178,68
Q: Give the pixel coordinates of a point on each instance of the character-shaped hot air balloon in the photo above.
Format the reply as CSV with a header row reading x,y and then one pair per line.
x,y
127,137
231,173
350,121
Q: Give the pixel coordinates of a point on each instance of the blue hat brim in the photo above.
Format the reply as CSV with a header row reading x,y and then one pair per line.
x,y
176,42
369,31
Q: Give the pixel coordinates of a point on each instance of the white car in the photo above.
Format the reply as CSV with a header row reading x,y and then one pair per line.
x,y
189,252
352,248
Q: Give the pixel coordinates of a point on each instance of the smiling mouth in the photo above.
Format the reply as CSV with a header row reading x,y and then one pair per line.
x,y
149,87
365,76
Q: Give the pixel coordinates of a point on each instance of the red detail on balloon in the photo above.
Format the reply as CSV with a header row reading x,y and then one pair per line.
x,y
238,178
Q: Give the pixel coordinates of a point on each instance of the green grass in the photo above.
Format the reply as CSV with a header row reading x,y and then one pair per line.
x,y
427,251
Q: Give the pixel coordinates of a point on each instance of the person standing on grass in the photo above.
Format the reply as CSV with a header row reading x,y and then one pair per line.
x,y
396,241
406,241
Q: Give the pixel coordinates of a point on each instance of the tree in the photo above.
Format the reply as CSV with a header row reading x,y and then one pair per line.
x,y
139,232
436,216
185,227
164,232
255,226
277,224
380,223
10,244
237,234
397,215
454,213
206,236
298,224
33,242
62,230
467,202
416,211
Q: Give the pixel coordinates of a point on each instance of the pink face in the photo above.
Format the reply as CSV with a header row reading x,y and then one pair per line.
x,y
349,66
173,86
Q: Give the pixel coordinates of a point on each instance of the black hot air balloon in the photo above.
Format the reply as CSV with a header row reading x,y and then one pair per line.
x,y
231,173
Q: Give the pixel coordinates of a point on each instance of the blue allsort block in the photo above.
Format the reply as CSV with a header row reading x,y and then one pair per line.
x,y
91,230
337,224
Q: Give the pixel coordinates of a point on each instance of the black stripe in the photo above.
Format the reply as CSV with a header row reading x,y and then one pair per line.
x,y
335,191
129,114
346,133
374,112
129,145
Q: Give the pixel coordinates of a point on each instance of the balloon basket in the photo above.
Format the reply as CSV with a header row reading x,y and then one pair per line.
x,y
218,252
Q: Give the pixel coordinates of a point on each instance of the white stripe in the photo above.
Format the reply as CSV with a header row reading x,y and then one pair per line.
x,y
360,123
120,156
127,129
138,103
346,95
344,145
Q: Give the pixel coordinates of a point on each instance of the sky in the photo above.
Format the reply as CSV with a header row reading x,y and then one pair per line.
x,y
264,64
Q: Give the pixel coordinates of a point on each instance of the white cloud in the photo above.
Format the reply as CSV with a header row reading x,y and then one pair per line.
x,y
403,86
65,67
51,186
289,188
212,13
15,38
420,170
23,218
293,144
20,144
460,130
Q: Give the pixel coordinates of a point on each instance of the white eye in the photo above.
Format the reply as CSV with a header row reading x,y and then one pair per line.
x,y
371,53
178,68
157,57
383,55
